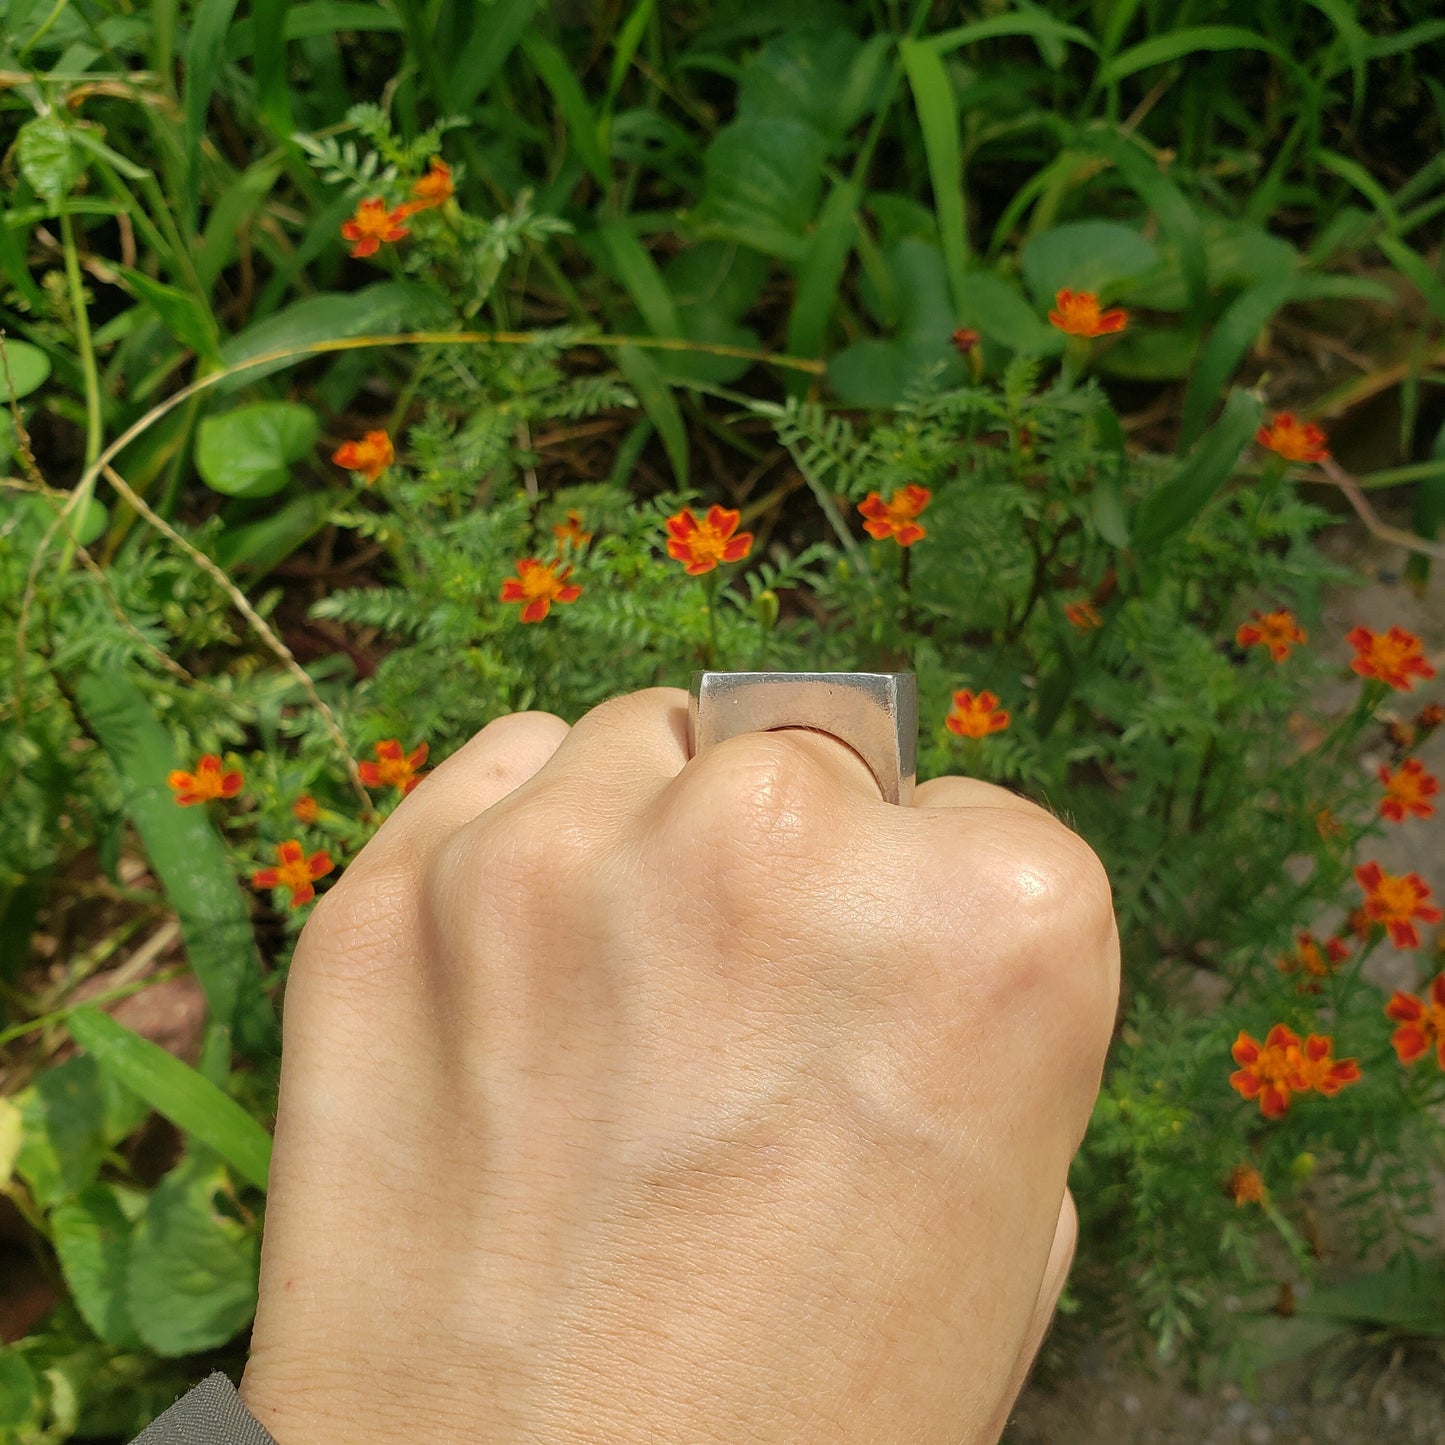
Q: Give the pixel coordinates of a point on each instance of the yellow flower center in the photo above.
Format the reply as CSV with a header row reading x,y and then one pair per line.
x,y
1395,897
294,873
1274,1065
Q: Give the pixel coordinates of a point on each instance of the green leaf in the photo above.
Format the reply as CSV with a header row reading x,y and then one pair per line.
x,y
256,547
661,406
628,39
302,22
387,306
174,1089
802,75
992,306
28,368
91,1235
763,176
1084,256
1408,1296
48,158
71,1117
191,1282
180,313
634,267
555,72
937,108
820,274
1163,49
10,1129
492,41
187,854
1233,334
1194,482
204,49
270,37
250,452
1043,28
19,1391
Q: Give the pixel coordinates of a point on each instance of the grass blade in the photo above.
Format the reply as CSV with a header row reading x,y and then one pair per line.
x,y
555,72
1163,49
937,108
272,94
657,400
204,49
174,1089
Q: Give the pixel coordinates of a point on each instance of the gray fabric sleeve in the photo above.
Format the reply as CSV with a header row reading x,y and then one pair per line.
x,y
212,1414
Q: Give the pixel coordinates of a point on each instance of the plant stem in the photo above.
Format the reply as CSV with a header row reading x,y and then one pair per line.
x,y
94,426
709,593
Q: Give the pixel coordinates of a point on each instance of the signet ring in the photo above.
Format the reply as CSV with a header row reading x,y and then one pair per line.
x,y
874,713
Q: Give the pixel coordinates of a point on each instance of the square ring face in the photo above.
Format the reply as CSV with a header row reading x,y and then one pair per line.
x,y
874,713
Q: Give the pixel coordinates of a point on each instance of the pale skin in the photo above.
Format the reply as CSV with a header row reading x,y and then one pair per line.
x,y
627,1097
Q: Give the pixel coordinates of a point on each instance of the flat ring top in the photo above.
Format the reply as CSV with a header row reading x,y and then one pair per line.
x,y
874,713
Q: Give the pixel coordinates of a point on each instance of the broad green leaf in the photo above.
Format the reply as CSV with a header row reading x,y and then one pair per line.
x,y
1155,354
711,285
387,306
28,367
19,1392
235,207
256,547
180,313
1233,335
1408,1296
802,75
555,72
993,307
657,400
633,266
763,177
91,1235
13,262
187,854
1176,44
820,275
937,108
34,516
204,49
1084,256
250,452
173,1088
191,1281
48,158
10,1125
71,1117
1185,493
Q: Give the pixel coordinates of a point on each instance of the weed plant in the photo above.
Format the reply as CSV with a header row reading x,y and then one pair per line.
x,y
432,382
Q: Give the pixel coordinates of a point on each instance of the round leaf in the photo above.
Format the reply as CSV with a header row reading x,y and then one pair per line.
x,y
249,452
29,366
1084,256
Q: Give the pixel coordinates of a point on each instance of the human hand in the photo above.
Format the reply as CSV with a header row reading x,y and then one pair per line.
x,y
628,1098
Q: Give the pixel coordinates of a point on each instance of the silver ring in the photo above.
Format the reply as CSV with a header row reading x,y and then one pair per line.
x,y
874,713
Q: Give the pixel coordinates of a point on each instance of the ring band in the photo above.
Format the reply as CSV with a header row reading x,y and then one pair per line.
x,y
874,713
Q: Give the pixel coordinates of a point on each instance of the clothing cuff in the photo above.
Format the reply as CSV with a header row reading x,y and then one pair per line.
x,y
211,1414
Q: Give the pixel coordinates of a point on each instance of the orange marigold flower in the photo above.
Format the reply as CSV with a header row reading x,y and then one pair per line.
x,y
1293,440
538,585
394,767
571,531
306,809
1406,790
370,456
1419,1023
1395,900
1083,615
1307,956
1393,656
1077,312
1316,1068
1430,717
975,717
1277,631
207,782
1266,1069
372,224
295,871
433,189
898,516
702,545
1245,1185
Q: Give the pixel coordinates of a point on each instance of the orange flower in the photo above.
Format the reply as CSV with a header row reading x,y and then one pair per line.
x,y
571,531
433,189
897,517
296,872
1406,791
372,224
539,584
1419,1021
1083,615
975,717
207,782
702,545
1307,957
305,809
1078,313
965,339
1430,717
1391,656
1295,441
1266,1070
1245,1185
394,767
1395,900
371,456
1315,1068
1274,630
